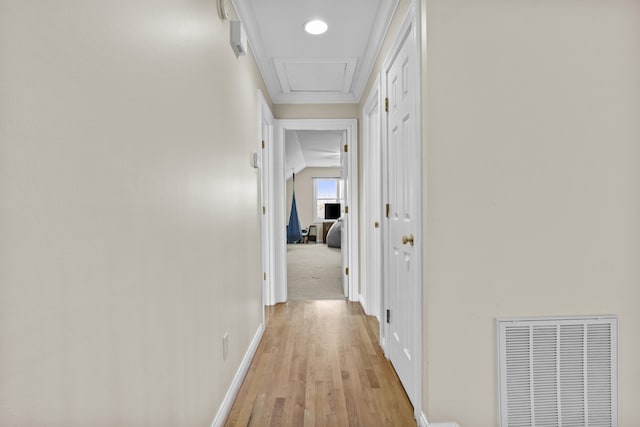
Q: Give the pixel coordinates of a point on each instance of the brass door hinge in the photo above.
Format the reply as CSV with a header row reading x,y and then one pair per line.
x,y
346,209
388,208
386,105
264,210
346,148
346,271
265,275
263,145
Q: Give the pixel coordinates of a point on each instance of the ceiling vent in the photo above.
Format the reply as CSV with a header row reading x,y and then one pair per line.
x,y
557,372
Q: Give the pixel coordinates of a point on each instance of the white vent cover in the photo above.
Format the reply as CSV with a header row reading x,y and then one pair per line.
x,y
558,372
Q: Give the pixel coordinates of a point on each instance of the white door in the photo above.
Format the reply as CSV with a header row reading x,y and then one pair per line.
x,y
372,237
403,223
344,235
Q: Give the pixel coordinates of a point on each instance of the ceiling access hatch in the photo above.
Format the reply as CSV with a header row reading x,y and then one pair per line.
x,y
315,75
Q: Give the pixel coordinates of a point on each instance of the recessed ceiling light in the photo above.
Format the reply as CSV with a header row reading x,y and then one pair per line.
x,y
316,27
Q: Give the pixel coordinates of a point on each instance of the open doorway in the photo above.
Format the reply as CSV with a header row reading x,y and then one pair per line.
x,y
315,184
336,167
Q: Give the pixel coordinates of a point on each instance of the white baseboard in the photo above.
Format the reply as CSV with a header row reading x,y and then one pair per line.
x,y
422,422
225,407
363,303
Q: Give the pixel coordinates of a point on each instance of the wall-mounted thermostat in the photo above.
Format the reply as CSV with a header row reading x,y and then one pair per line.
x,y
238,38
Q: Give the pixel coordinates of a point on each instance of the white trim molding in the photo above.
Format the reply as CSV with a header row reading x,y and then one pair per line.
x,y
422,422
265,148
232,392
372,197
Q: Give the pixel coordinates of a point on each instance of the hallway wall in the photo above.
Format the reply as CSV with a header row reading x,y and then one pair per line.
x,y
128,212
532,190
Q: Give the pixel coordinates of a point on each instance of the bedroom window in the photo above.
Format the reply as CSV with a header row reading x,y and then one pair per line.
x,y
326,190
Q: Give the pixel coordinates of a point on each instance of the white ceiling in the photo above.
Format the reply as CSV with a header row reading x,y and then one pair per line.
x,y
301,68
312,148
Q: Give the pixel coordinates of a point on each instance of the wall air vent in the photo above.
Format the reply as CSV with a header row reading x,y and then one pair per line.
x,y
557,372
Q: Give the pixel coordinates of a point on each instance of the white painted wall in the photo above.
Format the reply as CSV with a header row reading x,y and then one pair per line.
x,y
129,220
532,189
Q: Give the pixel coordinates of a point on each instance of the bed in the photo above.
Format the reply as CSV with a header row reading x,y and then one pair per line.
x,y
334,236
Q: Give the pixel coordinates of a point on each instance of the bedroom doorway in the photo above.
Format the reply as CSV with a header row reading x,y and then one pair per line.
x,y
322,178
314,262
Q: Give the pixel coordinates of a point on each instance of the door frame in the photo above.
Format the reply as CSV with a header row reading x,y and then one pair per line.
x,y
411,27
371,289
350,127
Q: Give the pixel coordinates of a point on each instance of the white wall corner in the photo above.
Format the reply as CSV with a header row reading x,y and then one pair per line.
x,y
225,407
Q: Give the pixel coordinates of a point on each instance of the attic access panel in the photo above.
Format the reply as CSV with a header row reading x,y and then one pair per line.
x,y
315,75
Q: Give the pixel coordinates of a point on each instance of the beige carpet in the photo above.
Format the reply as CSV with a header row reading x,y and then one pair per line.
x,y
314,272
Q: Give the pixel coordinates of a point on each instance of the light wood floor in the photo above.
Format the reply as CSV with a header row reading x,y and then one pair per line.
x,y
319,363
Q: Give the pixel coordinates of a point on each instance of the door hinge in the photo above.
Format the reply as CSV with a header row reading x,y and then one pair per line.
x,y
388,316
264,275
263,145
346,271
386,105
346,148
264,210
388,208
346,209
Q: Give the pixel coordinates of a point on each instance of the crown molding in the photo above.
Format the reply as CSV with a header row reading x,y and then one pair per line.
x,y
386,10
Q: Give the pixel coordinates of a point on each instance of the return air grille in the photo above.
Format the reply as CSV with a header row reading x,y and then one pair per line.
x,y
559,372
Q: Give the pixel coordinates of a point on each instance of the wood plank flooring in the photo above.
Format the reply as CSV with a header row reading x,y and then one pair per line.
x,y
319,364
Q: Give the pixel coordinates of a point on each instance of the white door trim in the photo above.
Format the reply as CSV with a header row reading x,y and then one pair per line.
x,y
265,134
350,126
411,27
371,295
